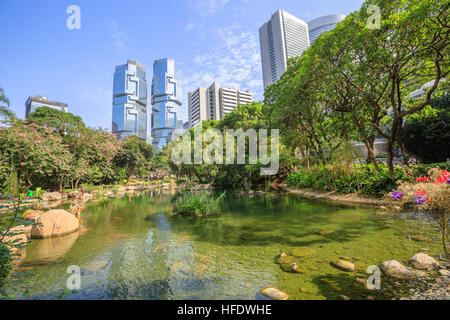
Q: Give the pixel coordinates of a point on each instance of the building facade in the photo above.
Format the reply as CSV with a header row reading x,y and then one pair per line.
x,y
129,116
36,102
323,24
167,96
281,38
214,103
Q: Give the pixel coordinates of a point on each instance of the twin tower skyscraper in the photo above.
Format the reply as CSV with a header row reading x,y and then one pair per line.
x,y
130,101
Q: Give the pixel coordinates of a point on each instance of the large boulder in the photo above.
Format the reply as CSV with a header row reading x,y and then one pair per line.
x,y
51,196
423,261
54,223
33,214
395,269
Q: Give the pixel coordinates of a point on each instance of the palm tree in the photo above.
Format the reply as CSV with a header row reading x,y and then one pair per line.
x,y
4,105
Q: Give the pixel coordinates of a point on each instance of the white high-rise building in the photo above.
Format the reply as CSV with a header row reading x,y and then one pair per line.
x,y
323,24
281,38
214,102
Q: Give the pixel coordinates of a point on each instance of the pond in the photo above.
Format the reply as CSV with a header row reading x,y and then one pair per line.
x,y
133,248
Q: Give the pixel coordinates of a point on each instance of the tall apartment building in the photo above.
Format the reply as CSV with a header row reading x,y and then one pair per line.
x,y
281,38
129,116
323,24
167,95
214,102
36,102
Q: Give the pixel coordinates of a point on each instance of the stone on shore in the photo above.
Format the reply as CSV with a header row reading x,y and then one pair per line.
x,y
344,265
395,269
274,293
51,196
423,261
54,223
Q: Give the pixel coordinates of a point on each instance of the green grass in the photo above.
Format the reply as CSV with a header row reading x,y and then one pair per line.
x,y
198,205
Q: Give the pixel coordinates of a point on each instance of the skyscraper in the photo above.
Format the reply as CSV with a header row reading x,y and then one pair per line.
x,y
130,101
36,102
282,37
323,24
167,95
214,103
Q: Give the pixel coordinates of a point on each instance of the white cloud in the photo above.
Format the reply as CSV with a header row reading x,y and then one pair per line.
x,y
120,38
235,62
207,7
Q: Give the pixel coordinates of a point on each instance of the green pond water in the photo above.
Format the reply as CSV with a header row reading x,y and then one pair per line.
x,y
133,248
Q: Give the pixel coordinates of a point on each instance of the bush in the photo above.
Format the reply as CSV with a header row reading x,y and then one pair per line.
x,y
363,179
202,205
5,263
428,136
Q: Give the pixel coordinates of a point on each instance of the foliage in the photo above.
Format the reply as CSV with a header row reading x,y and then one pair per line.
x,y
238,176
62,122
354,83
198,205
134,158
428,137
5,263
362,179
4,106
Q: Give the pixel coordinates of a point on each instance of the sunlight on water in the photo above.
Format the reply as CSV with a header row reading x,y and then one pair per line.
x,y
132,248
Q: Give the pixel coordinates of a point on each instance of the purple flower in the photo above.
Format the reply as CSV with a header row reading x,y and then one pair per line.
x,y
448,180
397,195
419,199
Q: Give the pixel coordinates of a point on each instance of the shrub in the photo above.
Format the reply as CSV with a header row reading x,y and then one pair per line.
x,y
429,193
5,263
362,179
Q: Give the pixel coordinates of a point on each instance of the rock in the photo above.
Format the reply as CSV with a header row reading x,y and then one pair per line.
x,y
395,269
397,208
15,239
419,238
302,251
54,223
23,229
51,196
344,265
285,259
423,261
344,297
274,293
444,273
296,269
326,232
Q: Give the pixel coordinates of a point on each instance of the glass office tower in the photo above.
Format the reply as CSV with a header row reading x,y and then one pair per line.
x,y
167,95
130,101
323,24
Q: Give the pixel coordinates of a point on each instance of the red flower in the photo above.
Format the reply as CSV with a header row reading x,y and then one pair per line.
x,y
424,179
429,200
420,193
441,179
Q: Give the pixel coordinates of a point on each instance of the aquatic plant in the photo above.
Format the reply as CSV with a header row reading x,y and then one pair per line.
x,y
198,205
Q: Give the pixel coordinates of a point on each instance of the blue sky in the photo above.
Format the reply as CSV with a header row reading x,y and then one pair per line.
x,y
209,40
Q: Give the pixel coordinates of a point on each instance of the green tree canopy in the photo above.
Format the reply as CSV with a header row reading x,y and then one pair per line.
x,y
62,122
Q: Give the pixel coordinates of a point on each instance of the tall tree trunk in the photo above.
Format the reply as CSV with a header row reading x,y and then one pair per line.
x,y
371,153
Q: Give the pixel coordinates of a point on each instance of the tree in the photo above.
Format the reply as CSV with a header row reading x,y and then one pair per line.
x,y
4,106
134,157
62,122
